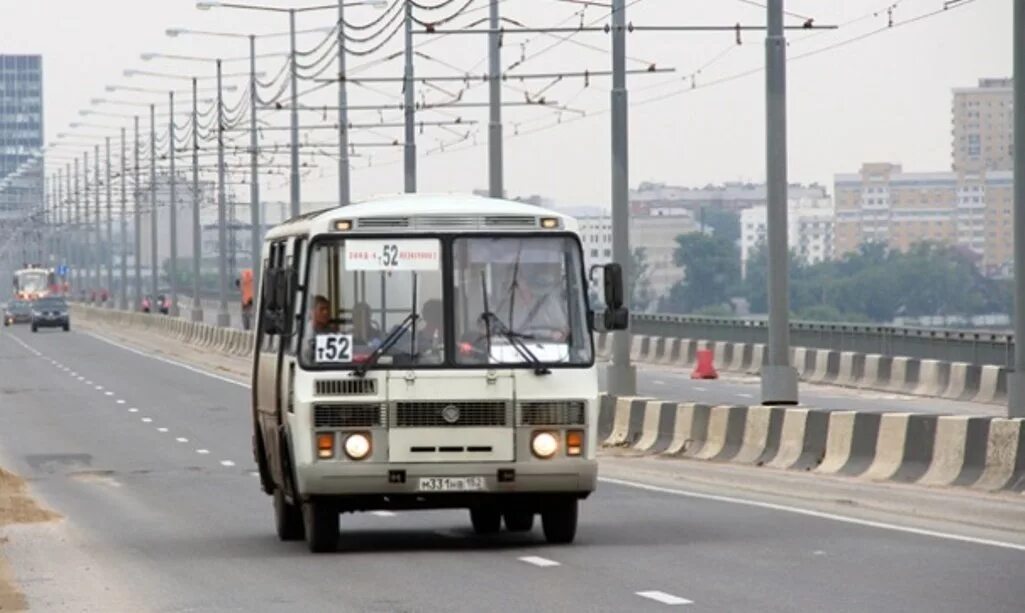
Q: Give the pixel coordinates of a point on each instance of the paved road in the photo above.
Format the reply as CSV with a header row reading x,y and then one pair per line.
x,y
676,384
150,464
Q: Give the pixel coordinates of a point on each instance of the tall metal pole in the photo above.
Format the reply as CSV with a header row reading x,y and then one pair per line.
x,y
344,187
779,378
223,319
73,247
1016,400
409,108
173,209
254,167
153,208
108,247
294,172
123,302
86,232
197,244
622,375
137,219
97,224
495,179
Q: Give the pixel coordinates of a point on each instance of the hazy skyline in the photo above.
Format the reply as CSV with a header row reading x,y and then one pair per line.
x,y
884,98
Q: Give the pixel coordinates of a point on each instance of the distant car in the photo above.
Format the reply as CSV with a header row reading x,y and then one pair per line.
x,y
51,312
18,312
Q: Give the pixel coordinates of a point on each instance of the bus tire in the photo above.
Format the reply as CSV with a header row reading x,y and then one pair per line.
x,y
486,519
559,520
321,523
518,520
288,518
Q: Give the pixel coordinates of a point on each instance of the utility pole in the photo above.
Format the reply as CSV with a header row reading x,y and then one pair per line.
x,y
123,302
87,248
1016,398
344,187
173,209
137,215
779,378
154,221
409,147
294,180
108,249
73,226
495,169
254,170
97,254
622,375
197,242
223,319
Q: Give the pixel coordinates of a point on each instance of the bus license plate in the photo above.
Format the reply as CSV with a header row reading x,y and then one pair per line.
x,y
452,484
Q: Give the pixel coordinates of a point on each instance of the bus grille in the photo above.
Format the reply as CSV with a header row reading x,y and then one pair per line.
x,y
552,413
450,414
345,387
347,415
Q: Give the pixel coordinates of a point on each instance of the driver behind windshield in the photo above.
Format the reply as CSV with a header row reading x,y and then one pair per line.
x,y
535,303
320,316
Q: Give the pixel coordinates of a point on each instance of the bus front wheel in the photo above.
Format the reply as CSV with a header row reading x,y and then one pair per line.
x,y
321,522
559,520
486,519
288,518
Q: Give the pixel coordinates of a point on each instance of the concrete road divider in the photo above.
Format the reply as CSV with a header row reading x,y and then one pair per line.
x,y
959,451
850,443
762,432
992,384
725,433
852,369
627,421
933,377
877,372
803,439
904,447
690,429
757,359
964,380
1005,456
903,375
670,352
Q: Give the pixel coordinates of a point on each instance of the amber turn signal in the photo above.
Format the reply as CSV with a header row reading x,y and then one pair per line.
x,y
325,445
574,442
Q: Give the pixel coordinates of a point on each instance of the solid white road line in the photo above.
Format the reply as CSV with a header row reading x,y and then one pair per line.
x,y
161,429
383,513
538,561
120,401
810,513
664,598
147,420
133,410
742,395
108,393
99,388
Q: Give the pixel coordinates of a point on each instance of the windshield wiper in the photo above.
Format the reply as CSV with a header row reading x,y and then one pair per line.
x,y
389,341
515,339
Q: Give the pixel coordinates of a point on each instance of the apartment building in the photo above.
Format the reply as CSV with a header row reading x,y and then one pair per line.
x,y
810,230
982,128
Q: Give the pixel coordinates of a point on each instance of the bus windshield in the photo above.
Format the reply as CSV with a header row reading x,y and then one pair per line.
x,y
520,300
374,295
31,281
382,303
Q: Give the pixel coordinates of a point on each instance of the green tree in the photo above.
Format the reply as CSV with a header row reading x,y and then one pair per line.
x,y
639,281
724,224
711,266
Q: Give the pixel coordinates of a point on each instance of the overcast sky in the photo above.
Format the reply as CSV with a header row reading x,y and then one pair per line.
x,y
883,98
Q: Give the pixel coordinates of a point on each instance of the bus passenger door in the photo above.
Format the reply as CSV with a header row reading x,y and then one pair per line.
x,y
266,368
295,261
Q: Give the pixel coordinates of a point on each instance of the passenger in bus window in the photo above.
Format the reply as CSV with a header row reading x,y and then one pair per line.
x,y
539,304
431,337
320,317
365,330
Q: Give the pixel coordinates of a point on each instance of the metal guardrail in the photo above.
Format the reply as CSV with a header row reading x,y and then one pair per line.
x,y
971,346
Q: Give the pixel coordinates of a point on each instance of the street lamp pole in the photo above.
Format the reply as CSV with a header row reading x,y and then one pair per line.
x,y
86,232
779,378
622,375
97,224
409,147
73,246
344,188
495,169
197,245
123,302
108,249
294,178
172,182
137,218
254,169
223,319
1016,397
154,221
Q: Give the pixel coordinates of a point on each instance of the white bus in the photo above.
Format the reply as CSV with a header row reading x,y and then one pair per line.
x,y
33,283
425,352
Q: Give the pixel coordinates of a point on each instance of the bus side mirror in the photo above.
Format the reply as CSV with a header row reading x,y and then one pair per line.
x,y
616,319
612,276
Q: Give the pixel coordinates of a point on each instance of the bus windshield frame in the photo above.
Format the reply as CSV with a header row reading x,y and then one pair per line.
x,y
441,301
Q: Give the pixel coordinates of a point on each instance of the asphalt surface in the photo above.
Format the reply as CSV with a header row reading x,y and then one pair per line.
x,y
671,384
150,465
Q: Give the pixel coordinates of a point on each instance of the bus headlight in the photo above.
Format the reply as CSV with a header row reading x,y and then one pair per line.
x,y
357,446
544,445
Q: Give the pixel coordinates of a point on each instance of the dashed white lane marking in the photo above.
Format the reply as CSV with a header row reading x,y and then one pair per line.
x,y
658,382
810,513
161,429
81,378
538,561
98,388
87,382
202,451
227,463
147,420
664,598
133,410
383,513
108,393
120,401
741,395
700,389
182,439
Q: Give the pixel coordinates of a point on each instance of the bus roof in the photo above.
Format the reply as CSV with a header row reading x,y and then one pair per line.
x,y
424,213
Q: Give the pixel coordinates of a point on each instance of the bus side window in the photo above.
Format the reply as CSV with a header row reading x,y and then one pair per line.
x,y
269,342
296,261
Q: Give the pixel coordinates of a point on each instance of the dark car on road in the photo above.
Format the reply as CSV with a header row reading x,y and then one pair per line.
x,y
50,313
18,312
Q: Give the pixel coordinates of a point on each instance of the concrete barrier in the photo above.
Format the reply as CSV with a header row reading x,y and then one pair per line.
x,y
739,352
656,426
721,353
725,433
964,381
959,451
876,374
688,351
826,366
903,374
757,359
903,448
802,440
627,421
1005,456
690,430
932,378
992,384
762,431
638,345
656,348
852,369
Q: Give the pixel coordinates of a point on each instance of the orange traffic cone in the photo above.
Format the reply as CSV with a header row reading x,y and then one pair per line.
x,y
704,369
